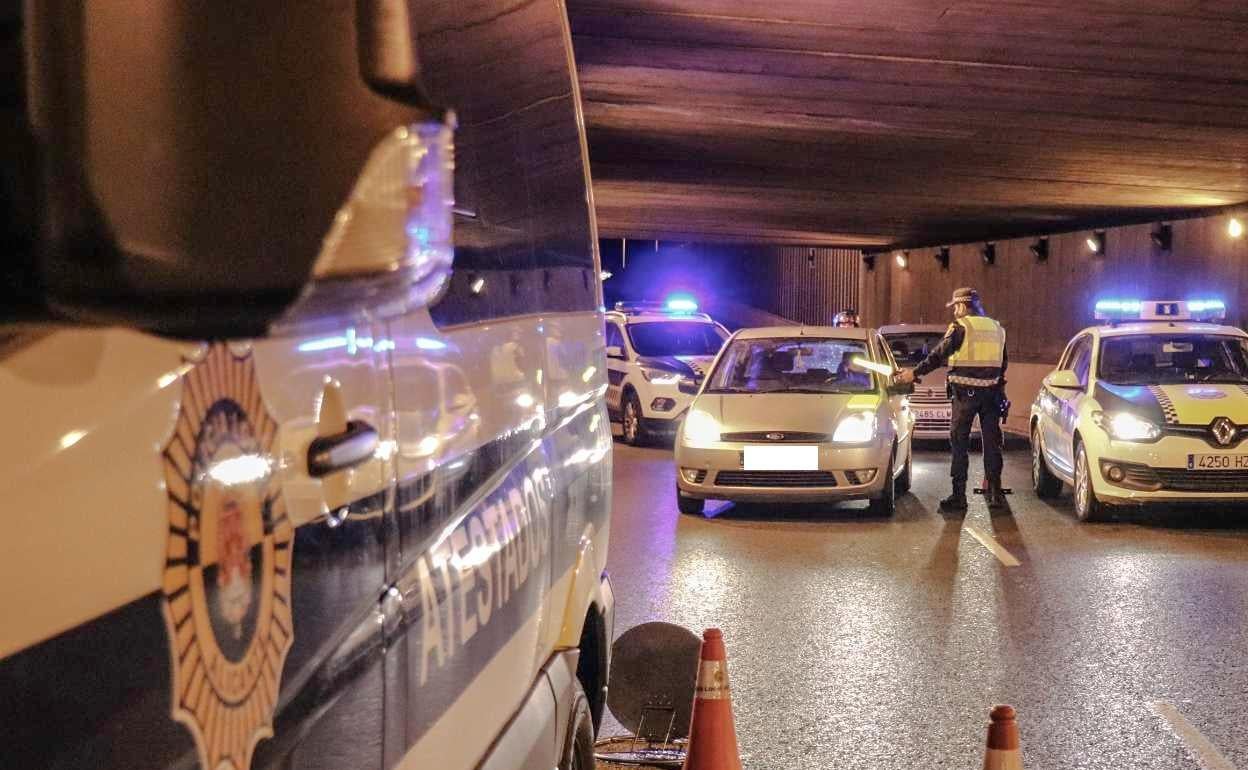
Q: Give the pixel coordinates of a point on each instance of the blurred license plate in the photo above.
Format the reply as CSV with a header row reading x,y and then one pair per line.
x,y
1217,462
933,414
781,458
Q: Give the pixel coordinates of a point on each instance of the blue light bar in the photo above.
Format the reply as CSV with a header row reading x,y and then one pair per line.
x,y
1212,307
1119,307
1160,310
680,303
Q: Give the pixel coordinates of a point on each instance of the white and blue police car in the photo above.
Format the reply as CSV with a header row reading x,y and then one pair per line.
x,y
1152,406
653,351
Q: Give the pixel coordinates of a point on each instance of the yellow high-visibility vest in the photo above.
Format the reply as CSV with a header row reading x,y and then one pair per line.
x,y
983,345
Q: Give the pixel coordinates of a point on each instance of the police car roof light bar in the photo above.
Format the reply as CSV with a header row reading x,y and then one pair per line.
x,y
680,303
1119,310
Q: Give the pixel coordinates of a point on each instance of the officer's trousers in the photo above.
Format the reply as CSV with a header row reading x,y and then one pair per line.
x,y
967,404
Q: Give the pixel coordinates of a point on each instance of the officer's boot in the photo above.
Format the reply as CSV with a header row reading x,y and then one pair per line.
x,y
954,503
995,495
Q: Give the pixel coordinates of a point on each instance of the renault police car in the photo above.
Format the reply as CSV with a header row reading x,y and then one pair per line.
x,y
307,458
797,414
652,348
1151,407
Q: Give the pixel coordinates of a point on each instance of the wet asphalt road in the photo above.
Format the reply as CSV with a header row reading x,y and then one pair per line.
x,y
882,643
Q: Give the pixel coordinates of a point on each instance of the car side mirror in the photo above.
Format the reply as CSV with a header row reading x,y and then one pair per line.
x,y
615,351
1063,379
687,386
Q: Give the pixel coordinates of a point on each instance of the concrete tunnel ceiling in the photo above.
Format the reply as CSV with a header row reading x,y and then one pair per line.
x,y
909,122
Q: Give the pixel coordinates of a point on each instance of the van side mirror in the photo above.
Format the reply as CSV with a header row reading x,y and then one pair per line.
x,y
687,386
1063,379
615,351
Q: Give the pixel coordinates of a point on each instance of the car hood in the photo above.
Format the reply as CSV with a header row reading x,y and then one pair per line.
x,y
1196,403
687,366
781,412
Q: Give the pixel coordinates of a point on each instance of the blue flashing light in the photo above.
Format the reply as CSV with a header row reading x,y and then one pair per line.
x,y
324,343
1212,306
428,343
681,303
1119,306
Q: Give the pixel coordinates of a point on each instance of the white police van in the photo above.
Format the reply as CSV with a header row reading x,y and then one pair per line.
x,y
302,470
1151,407
657,355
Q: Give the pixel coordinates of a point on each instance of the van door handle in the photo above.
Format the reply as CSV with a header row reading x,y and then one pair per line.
x,y
330,454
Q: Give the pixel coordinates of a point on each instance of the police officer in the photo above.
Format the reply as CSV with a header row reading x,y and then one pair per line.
x,y
846,319
974,349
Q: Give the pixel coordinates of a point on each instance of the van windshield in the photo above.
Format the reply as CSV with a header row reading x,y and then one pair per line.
x,y
791,365
910,348
1168,359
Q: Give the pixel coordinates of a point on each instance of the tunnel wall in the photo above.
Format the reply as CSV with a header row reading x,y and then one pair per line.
x,y
1043,304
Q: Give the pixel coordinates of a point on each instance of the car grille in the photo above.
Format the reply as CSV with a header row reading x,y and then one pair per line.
x,y
1181,480
941,425
789,436
775,479
929,397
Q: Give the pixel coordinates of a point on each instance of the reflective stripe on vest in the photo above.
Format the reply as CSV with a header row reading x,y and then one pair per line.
x,y
982,347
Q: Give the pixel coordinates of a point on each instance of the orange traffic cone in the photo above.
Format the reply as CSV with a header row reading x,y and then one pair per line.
x,y
712,735
1003,752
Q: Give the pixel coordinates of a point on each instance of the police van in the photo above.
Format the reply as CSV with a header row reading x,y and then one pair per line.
x,y
307,458
657,355
1150,407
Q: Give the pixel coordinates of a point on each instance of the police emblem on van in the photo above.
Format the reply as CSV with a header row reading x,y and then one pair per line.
x,y
228,560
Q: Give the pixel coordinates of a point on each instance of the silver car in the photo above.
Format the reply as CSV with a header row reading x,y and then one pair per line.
x,y
797,413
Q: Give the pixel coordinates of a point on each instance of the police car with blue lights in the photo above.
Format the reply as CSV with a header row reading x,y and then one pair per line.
x,y
1152,406
307,460
657,355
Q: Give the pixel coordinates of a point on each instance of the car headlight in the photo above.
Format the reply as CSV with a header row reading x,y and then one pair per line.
x,y
660,377
700,428
1125,426
856,428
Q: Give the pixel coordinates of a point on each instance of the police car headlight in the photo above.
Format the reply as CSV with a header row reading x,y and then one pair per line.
x,y
1124,426
700,428
857,428
660,377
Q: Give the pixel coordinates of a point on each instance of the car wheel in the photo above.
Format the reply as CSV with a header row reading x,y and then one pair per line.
x,y
634,433
1087,507
691,506
886,503
1043,482
579,754
902,484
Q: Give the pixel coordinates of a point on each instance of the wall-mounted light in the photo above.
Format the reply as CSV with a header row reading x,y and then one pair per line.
x,y
477,285
1040,249
605,274
1162,237
1235,228
989,253
869,261
810,259
1096,243
902,258
942,256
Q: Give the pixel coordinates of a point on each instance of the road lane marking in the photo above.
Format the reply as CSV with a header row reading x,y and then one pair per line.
x,y
1200,747
995,548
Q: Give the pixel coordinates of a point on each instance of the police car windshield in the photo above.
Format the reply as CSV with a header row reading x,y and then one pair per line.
x,y
910,348
1161,359
676,338
791,365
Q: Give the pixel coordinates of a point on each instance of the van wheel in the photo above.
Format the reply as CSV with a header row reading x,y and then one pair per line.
x,y
634,433
579,754
1043,482
1087,507
691,506
902,484
886,503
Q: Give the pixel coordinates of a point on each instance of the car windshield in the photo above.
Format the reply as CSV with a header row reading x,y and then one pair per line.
x,y
1161,359
676,338
909,348
791,365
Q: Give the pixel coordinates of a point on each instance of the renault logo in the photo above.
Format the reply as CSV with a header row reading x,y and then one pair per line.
x,y
775,436
1224,431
